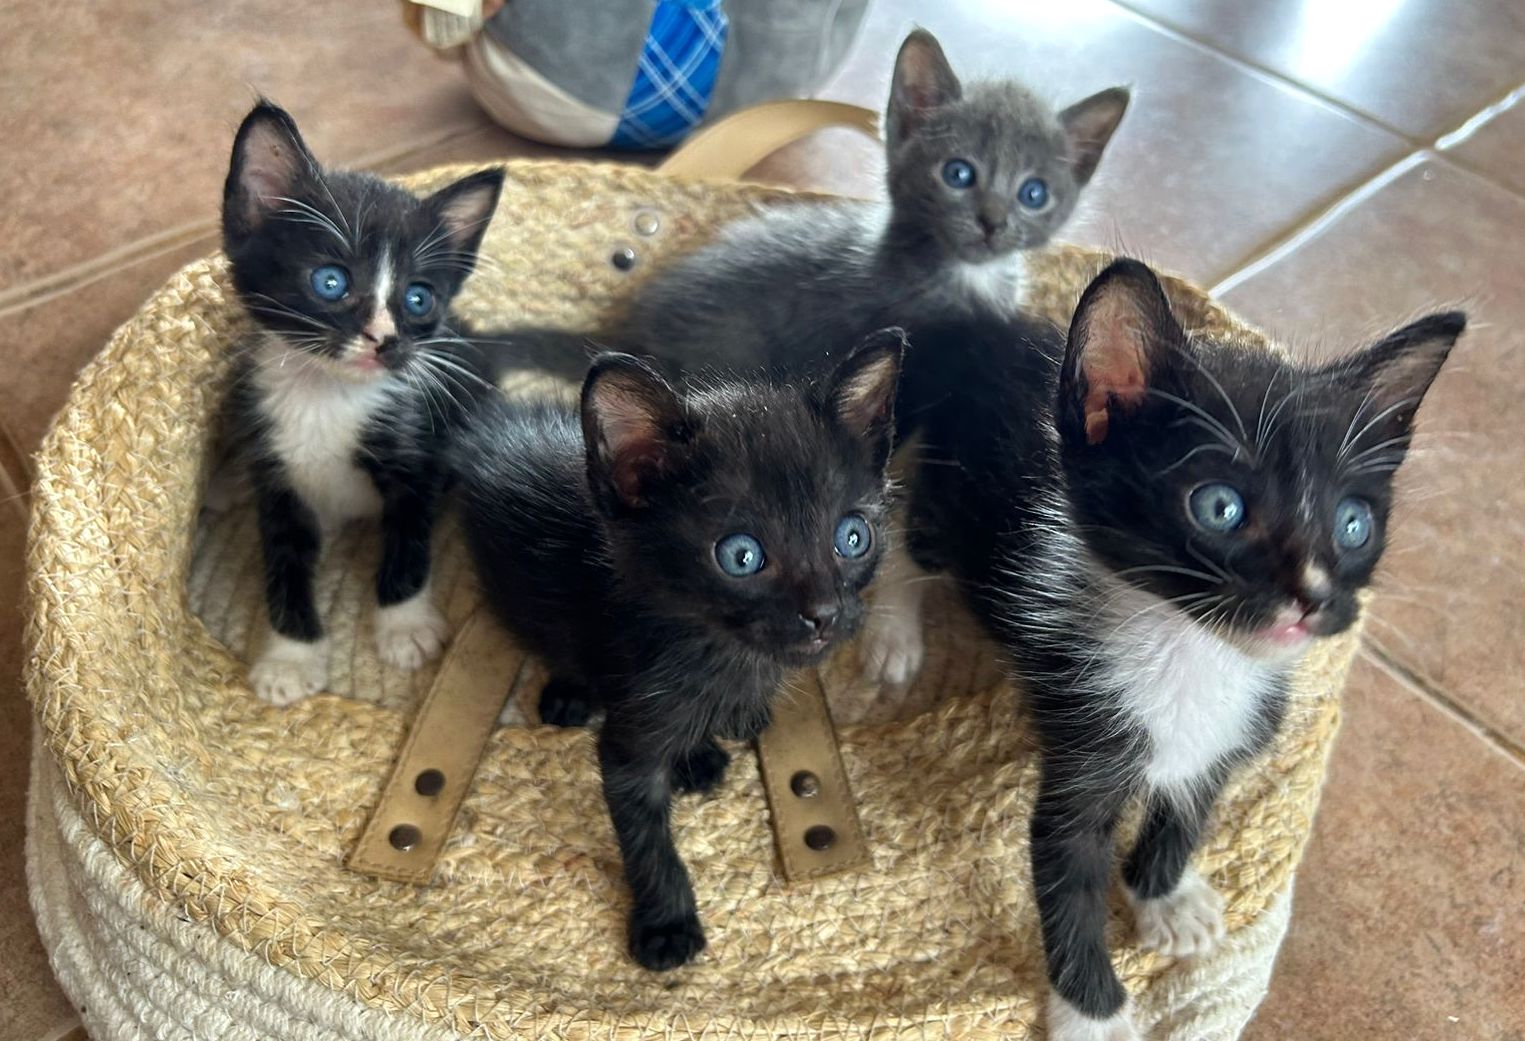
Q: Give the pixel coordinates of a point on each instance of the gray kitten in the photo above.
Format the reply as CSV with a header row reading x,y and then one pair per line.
x,y
976,175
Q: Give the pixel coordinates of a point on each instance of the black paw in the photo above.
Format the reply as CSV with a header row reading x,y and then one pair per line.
x,y
660,946
701,770
565,704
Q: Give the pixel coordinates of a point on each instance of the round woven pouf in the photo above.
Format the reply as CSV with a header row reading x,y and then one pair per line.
x,y
187,841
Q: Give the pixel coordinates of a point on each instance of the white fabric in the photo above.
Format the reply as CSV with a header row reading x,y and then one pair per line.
x,y
527,103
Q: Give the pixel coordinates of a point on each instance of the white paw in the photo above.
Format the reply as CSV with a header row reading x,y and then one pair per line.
x,y
411,632
891,650
1067,1023
289,670
1187,921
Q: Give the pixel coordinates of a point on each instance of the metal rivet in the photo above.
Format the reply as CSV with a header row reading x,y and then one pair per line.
x,y
624,258
820,837
429,783
647,223
405,836
805,784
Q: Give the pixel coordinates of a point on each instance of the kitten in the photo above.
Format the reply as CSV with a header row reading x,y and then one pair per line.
x,y
976,175
341,400
670,556
1154,527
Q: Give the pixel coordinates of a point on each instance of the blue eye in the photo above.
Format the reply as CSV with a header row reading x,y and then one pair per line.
x,y
1352,523
739,555
1033,193
853,537
1217,507
418,300
958,173
330,282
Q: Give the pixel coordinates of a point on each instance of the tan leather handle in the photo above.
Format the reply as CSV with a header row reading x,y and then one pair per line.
x,y
439,758
731,146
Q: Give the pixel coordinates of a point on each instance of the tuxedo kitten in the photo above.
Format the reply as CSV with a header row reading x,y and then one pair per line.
x,y
1154,527
341,400
670,556
976,175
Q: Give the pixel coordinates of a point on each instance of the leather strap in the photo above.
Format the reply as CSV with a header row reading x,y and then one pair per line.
x,y
730,147
815,818
438,760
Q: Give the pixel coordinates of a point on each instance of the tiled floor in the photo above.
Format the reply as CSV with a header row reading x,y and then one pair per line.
x,y
1304,156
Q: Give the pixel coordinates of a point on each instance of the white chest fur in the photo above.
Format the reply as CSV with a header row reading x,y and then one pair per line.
x,y
996,284
1196,696
316,420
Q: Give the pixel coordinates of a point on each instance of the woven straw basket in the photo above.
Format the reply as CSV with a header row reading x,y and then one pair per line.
x,y
187,842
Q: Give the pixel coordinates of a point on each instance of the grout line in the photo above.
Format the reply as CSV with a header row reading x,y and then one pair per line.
x,y
1481,119
1445,703
72,1030
15,475
1266,72
16,298
1302,233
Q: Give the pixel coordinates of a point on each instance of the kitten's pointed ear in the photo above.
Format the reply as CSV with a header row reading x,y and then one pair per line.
x,y
1394,374
464,208
1088,126
861,393
269,160
1122,335
923,81
634,428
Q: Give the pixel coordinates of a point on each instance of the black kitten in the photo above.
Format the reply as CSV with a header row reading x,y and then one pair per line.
x,y
670,557
340,403
1154,526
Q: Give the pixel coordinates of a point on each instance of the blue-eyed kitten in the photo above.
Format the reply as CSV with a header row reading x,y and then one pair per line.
x,y
342,398
976,175
1154,526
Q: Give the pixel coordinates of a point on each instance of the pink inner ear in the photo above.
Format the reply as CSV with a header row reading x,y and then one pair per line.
x,y
1113,364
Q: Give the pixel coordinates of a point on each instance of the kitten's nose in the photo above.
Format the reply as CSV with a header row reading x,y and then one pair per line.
x,y
993,224
380,329
1315,588
820,619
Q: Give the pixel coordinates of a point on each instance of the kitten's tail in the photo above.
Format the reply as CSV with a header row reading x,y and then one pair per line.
x,y
556,352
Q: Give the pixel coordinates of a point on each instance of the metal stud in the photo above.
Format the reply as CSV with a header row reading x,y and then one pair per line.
x,y
647,223
623,258
429,783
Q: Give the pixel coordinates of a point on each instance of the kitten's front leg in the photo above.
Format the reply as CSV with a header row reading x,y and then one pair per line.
x,y
1072,830
892,647
409,629
1178,912
294,663
664,918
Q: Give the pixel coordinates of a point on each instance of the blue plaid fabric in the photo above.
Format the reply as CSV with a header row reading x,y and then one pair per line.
x,y
676,74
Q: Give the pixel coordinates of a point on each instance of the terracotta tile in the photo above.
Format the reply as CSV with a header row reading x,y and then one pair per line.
x,y
1210,162
47,343
1421,66
1497,147
33,1006
121,126
1406,922
1451,604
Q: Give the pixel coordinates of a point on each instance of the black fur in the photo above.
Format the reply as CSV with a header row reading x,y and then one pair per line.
x,y
595,541
285,217
1057,478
